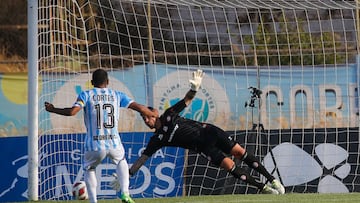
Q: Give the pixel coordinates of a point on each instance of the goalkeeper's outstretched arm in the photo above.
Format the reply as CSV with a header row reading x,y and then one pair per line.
x,y
137,164
195,84
115,184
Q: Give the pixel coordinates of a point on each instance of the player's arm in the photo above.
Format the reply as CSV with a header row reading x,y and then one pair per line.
x,y
143,110
189,97
115,184
62,111
195,84
153,145
138,163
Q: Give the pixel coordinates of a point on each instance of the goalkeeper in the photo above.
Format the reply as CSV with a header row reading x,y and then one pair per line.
x,y
204,138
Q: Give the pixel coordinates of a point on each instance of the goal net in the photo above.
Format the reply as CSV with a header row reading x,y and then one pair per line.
x,y
281,78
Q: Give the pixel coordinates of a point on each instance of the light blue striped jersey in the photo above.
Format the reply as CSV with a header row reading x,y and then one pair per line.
x,y
101,116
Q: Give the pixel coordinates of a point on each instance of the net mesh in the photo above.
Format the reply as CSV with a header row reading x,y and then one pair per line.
x,y
300,54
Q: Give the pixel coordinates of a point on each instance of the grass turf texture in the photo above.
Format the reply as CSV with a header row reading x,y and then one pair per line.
x,y
287,198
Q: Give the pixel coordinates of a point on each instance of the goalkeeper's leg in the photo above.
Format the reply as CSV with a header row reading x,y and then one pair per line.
x,y
251,161
240,153
243,175
240,173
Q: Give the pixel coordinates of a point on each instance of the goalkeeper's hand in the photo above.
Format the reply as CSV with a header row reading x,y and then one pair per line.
x,y
196,80
115,183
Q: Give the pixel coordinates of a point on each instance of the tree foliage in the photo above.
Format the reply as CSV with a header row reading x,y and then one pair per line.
x,y
290,44
13,32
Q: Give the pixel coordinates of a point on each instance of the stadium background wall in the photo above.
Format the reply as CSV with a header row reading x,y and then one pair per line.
x,y
307,160
225,91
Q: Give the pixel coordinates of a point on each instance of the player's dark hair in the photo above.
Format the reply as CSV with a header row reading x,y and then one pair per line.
x,y
99,77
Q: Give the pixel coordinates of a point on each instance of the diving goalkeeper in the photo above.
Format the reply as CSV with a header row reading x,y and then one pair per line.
x,y
204,138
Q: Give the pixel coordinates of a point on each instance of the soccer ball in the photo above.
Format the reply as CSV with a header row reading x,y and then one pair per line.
x,y
79,191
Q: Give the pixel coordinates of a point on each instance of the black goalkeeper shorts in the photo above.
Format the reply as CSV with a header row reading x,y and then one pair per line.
x,y
215,144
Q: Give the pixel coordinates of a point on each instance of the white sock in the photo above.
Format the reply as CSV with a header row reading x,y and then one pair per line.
x,y
122,171
91,184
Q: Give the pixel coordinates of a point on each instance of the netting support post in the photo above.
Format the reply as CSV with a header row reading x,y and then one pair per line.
x,y
357,26
150,42
32,38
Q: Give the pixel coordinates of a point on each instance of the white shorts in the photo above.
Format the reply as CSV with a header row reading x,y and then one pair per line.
x,y
93,158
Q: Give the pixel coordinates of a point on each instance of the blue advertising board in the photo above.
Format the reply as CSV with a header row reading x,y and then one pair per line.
x,y
13,176
160,175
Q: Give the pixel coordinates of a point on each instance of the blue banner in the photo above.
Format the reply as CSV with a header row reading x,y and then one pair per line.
x,y
292,97
14,169
160,176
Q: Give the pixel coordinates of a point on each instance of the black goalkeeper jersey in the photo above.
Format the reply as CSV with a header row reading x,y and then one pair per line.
x,y
175,131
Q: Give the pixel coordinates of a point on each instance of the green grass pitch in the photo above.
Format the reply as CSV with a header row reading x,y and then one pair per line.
x,y
253,198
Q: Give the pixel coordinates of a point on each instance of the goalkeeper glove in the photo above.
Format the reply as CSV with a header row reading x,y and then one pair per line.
x,y
196,80
115,183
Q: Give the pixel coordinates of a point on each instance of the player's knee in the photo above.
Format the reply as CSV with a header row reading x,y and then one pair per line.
x,y
227,164
238,151
250,160
239,173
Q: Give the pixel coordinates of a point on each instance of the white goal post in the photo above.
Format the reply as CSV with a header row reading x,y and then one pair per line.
x,y
33,158
282,77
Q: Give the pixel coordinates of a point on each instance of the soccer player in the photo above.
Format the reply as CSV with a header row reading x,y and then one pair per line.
x,y
101,115
204,138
